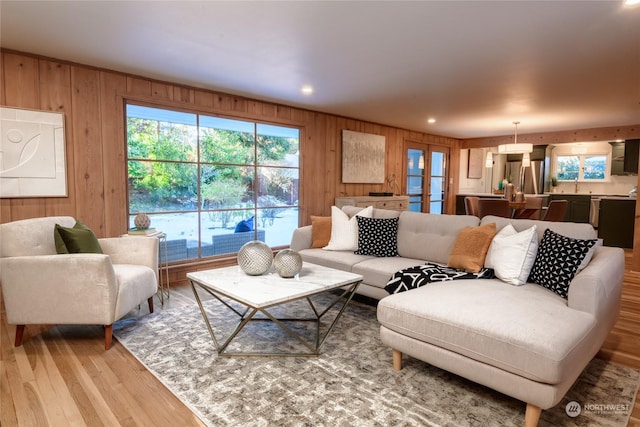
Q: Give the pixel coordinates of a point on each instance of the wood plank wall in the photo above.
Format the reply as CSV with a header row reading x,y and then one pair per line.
x,y
92,101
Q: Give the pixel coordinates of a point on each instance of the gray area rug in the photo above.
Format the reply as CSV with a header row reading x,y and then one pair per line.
x,y
351,383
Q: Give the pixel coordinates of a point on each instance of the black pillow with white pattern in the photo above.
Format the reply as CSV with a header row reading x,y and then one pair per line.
x,y
377,236
557,261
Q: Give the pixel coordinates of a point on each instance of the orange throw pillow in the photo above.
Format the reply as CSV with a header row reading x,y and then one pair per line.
x,y
471,247
320,231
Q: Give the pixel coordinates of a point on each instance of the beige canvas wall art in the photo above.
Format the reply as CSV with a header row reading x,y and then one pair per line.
x,y
363,156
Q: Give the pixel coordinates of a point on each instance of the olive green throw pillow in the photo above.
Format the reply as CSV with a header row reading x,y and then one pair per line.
x,y
76,240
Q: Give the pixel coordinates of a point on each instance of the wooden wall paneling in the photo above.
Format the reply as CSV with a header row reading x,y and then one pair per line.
x,y
203,99
161,91
453,171
268,110
183,94
239,105
313,183
55,95
3,82
21,75
139,86
114,158
283,112
23,92
89,172
222,102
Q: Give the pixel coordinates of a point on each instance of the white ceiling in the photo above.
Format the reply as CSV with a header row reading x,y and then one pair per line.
x,y
476,66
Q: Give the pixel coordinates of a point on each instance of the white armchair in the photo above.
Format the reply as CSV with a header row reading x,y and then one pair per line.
x,y
42,287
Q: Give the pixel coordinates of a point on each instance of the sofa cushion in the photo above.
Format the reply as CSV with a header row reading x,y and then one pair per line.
x,y
320,231
511,254
344,230
558,260
471,246
76,239
525,330
430,237
377,271
377,236
341,260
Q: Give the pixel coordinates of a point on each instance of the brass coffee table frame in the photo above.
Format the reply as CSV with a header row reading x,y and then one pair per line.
x,y
347,292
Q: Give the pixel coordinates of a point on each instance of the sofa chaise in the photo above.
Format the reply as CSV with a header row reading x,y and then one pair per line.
x,y
526,341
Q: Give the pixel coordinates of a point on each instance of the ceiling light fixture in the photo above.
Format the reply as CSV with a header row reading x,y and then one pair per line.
x,y
631,2
488,163
515,148
431,120
307,89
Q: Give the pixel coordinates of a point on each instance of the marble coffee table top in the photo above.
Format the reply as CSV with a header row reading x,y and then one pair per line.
x,y
270,289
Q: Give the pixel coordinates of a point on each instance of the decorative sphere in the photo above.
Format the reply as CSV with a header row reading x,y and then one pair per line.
x,y
255,258
142,221
288,263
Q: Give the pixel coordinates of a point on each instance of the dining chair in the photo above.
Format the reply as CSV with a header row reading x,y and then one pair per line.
x,y
556,210
532,209
471,205
496,207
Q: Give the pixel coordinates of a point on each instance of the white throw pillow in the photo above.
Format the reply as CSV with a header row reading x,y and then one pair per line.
x,y
344,230
512,254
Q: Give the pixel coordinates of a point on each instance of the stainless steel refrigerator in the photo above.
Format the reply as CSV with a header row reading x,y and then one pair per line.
x,y
529,180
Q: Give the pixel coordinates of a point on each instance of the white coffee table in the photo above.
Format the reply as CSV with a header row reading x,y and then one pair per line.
x,y
260,293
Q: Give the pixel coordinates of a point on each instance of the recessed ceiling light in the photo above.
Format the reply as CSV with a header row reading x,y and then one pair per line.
x,y
307,89
431,120
631,2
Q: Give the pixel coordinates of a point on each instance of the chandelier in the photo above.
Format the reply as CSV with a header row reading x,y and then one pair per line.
x,y
515,148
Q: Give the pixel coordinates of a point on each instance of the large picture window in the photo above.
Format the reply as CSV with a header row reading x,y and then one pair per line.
x,y
210,183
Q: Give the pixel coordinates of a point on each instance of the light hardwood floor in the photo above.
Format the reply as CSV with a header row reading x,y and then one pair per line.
x,y
61,375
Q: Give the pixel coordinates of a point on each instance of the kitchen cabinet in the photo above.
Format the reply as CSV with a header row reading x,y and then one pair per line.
x,y
631,154
616,221
624,157
617,158
579,206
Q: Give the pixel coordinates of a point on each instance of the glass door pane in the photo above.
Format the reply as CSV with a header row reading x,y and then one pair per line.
x,y
437,182
415,179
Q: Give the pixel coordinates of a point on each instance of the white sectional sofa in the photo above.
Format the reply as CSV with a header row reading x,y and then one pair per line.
x,y
524,341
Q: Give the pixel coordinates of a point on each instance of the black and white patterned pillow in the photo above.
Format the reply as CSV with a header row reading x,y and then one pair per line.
x,y
557,261
377,236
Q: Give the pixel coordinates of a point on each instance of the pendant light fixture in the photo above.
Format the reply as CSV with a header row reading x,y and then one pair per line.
x,y
515,148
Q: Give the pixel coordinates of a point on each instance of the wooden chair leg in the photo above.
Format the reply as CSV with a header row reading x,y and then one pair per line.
x,y
150,301
19,334
108,334
397,360
532,415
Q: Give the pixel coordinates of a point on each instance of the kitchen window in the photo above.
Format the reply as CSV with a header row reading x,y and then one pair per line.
x,y
211,183
583,167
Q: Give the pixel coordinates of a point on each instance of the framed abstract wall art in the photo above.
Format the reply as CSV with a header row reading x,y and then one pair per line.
x,y
32,154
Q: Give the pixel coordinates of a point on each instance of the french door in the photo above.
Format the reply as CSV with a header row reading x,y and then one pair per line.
x,y
426,171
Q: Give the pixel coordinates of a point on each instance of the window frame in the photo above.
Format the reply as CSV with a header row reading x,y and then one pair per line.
x,y
581,165
199,162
